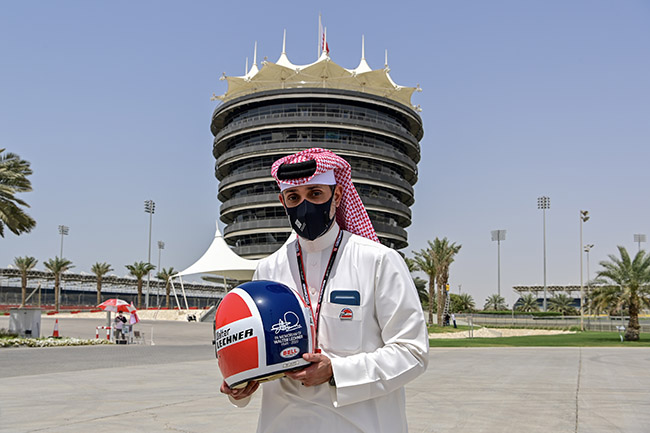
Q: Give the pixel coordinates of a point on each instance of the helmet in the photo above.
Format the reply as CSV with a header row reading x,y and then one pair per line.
x,y
261,330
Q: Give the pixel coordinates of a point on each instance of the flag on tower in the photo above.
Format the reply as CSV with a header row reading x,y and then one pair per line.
x,y
322,38
326,47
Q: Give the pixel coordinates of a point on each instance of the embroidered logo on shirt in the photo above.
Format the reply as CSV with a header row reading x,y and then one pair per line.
x,y
346,314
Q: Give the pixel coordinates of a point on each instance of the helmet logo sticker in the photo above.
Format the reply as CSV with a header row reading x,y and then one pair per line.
x,y
289,334
224,337
289,323
289,352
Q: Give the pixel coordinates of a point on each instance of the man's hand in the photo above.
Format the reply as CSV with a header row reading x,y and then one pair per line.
x,y
318,372
238,394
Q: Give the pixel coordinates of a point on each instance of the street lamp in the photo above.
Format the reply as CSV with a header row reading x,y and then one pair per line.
x,y
150,208
544,203
588,248
638,238
63,231
498,235
161,246
584,217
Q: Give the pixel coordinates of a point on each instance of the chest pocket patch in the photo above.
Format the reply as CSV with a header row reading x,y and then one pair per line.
x,y
340,329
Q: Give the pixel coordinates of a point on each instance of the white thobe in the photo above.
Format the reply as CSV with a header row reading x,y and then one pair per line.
x,y
374,354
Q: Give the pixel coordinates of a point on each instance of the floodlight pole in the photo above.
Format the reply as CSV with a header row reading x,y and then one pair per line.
x,y
161,246
63,231
544,203
638,238
588,248
584,217
150,208
498,235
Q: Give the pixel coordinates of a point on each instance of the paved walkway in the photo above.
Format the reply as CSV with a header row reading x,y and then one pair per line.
x,y
173,386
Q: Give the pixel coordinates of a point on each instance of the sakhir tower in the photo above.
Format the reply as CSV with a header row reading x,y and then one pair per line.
x,y
281,108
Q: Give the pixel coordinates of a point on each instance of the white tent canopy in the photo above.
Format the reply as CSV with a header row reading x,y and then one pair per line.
x,y
219,259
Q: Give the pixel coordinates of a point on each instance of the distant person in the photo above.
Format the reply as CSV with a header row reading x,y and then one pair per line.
x,y
446,320
453,319
119,321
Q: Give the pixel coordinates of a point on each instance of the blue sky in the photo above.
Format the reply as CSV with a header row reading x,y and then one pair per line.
x,y
110,101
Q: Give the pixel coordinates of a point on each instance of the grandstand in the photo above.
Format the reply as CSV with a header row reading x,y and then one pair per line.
x,y
80,290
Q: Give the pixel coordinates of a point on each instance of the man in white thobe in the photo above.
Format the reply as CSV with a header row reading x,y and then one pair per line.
x,y
372,337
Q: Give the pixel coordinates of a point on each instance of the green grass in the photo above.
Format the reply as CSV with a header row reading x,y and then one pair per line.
x,y
580,339
447,329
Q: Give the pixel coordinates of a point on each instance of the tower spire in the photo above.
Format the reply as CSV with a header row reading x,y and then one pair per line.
x,y
386,60
320,35
284,42
363,65
255,55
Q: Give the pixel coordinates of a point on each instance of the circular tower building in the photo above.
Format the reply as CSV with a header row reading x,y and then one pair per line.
x,y
280,109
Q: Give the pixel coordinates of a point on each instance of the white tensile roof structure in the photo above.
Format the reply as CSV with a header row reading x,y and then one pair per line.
x,y
219,259
323,73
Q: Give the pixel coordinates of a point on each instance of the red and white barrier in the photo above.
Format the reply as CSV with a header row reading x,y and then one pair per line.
x,y
108,331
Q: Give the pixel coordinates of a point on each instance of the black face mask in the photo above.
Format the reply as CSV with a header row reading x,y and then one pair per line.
x,y
311,220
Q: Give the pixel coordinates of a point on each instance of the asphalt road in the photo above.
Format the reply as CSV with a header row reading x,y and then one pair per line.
x,y
173,386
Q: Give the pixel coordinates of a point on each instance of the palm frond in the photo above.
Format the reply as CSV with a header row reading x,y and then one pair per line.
x,y
13,180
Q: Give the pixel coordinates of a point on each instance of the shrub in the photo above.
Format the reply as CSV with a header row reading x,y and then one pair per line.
x,y
5,333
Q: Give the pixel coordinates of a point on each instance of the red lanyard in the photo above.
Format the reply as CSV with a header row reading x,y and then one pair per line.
x,y
303,281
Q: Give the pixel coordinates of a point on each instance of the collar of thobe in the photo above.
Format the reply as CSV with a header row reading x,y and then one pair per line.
x,y
319,244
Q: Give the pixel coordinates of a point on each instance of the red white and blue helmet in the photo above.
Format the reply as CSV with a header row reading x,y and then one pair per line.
x,y
262,329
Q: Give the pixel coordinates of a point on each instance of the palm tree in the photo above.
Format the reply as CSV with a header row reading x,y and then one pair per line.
x,y
463,303
495,303
165,275
443,254
139,270
57,266
627,283
561,303
24,265
13,180
421,287
420,284
605,299
527,303
100,269
410,263
423,261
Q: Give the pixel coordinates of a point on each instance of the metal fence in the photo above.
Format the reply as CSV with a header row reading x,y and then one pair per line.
x,y
591,323
87,298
